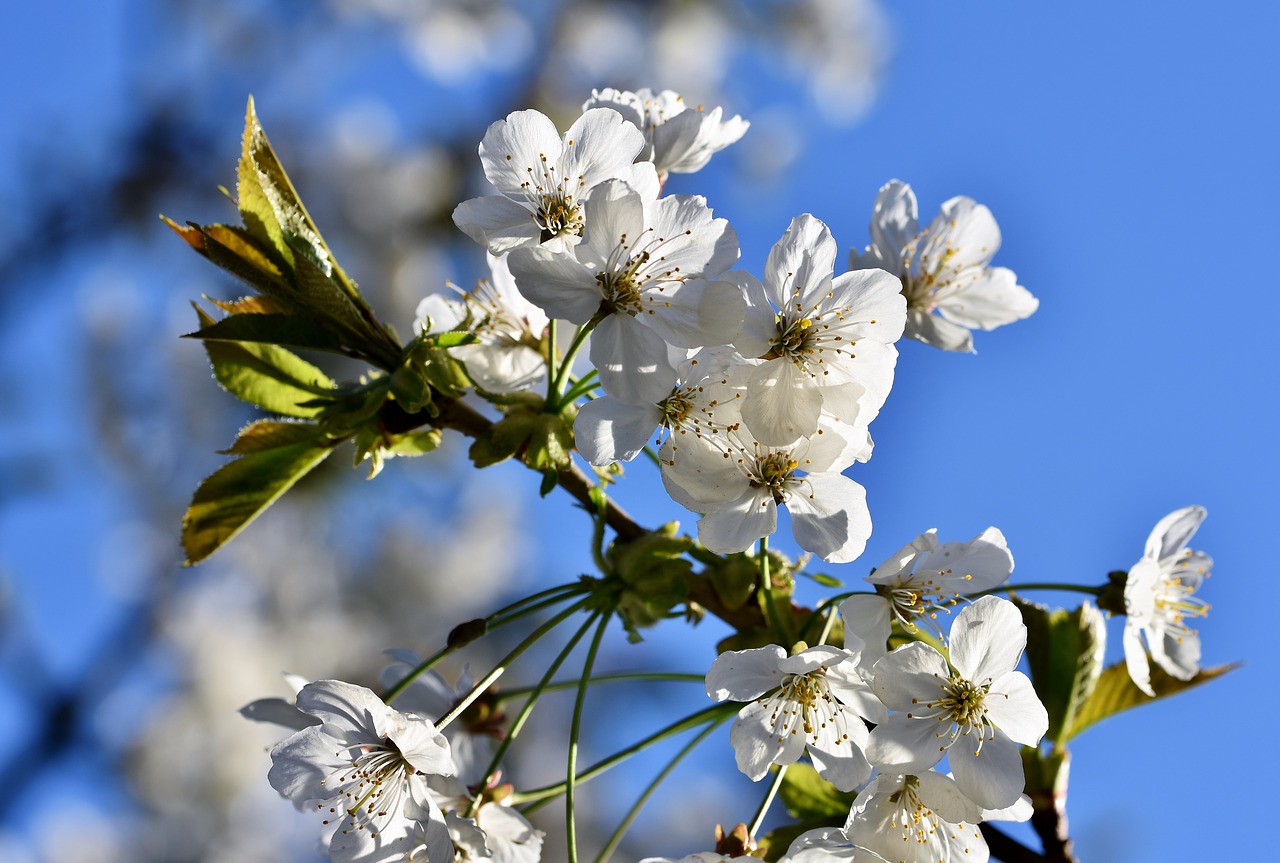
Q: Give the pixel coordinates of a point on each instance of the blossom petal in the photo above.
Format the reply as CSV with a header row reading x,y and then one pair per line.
x,y
987,639
912,671
800,264
609,429
512,146
992,299
992,776
739,523
1135,658
780,408
754,745
1012,704
938,332
556,282
744,675
497,223
832,519
632,360
866,618
941,794
1172,533
905,745
843,765
894,221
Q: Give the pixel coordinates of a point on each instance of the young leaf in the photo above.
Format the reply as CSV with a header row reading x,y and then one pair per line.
x,y
1065,651
267,376
292,330
1116,692
809,797
262,435
236,493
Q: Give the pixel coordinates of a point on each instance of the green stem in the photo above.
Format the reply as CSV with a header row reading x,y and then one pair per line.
x,y
499,618
539,797
557,385
534,693
489,678
780,628
552,380
575,729
603,678
767,802
652,456
612,844
581,387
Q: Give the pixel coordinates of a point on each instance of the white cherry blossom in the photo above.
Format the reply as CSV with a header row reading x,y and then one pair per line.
x,y
542,176
739,484
365,769
825,341
797,702
918,819
944,268
978,709
925,577
1158,599
678,139
508,354
646,270
703,401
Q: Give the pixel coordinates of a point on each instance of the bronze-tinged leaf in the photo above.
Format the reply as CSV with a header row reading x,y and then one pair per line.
x,y
239,491
262,435
250,306
1115,692
192,234
294,331
1065,653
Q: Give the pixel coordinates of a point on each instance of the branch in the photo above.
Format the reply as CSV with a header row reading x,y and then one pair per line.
x,y
1006,848
461,417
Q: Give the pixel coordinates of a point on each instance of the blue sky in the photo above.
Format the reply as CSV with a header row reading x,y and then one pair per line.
x,y
1129,157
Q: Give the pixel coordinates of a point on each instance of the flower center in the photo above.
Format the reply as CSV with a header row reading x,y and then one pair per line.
x,y
558,214
962,707
804,705
1174,603
775,471
372,788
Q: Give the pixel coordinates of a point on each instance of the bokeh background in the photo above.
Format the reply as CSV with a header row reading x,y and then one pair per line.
x,y
1128,154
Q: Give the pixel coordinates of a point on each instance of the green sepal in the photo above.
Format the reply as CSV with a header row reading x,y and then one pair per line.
x,y
654,575
543,441
266,375
1115,692
239,491
1065,653
550,479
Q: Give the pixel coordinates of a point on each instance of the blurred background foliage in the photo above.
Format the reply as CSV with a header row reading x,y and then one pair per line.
x,y
122,672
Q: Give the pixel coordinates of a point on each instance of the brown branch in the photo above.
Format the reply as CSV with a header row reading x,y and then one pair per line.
x,y
463,418
1005,847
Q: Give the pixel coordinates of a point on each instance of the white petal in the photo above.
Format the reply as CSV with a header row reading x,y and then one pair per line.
x,y
904,745
513,145
609,429
991,299
497,223
754,745
941,794
781,405
987,639
938,332
830,518
744,675
993,777
894,221
912,671
800,264
632,360
843,765
1174,531
1135,658
739,523
556,282
1012,704
866,618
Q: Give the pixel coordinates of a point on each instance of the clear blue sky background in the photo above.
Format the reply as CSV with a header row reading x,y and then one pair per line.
x,y
1129,155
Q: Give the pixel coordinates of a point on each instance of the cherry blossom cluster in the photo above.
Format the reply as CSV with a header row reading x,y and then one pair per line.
x,y
757,393
970,706
388,785
760,391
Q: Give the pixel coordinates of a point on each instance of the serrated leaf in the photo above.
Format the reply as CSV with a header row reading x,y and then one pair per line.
x,y
271,434
453,339
267,376
290,330
1065,653
239,491
809,797
235,251
252,305
1115,692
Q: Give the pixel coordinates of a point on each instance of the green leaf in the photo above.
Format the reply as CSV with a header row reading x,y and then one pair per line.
x,y
291,330
808,796
1115,692
272,434
414,443
267,376
1065,653
236,493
